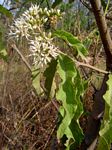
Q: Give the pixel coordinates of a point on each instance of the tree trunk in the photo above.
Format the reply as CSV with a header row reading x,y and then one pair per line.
x,y
103,29
94,119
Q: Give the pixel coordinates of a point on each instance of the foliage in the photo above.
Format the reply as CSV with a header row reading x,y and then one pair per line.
x,y
69,93
105,133
49,74
3,52
57,2
36,76
5,11
73,42
71,89
76,18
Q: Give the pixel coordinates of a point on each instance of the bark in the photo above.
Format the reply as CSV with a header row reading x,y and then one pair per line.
x,y
103,29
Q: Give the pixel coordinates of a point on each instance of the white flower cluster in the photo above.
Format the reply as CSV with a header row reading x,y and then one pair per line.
x,y
42,51
31,22
30,26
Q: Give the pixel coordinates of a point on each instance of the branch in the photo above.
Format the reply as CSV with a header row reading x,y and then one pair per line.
x,y
91,10
86,5
91,67
22,57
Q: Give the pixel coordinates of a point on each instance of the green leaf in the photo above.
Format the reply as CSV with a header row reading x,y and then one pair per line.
x,y
70,90
73,41
36,81
5,11
2,44
87,42
3,52
105,133
4,57
49,75
57,2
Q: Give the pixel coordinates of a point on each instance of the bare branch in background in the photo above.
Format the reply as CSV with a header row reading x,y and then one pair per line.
x,y
22,57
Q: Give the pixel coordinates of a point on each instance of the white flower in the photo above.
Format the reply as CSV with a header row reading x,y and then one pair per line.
x,y
42,52
58,11
45,10
34,10
19,29
31,21
31,26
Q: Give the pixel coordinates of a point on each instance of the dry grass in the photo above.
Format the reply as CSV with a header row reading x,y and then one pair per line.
x,y
26,121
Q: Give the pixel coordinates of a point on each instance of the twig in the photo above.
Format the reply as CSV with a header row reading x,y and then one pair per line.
x,y
52,131
25,116
92,67
93,144
9,139
42,108
88,66
47,142
86,5
90,9
22,57
55,105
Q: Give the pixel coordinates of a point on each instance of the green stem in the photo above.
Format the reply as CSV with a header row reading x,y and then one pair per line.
x,y
107,8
